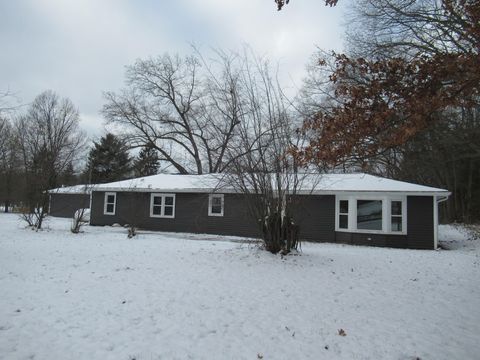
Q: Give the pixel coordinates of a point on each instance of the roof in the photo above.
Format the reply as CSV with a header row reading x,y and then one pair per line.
x,y
311,184
75,189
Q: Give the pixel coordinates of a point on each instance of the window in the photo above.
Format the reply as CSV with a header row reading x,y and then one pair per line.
x,y
343,214
215,205
110,203
369,214
162,205
396,216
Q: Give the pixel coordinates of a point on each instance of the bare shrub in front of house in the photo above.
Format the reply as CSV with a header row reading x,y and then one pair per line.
x,y
80,218
260,164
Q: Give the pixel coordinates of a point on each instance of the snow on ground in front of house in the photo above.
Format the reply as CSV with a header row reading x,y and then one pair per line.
x,y
99,295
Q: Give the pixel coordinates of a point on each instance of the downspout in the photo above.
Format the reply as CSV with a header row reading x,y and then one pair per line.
x,y
90,208
438,200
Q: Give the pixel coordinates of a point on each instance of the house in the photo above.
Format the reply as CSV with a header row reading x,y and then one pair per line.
x,y
343,208
64,201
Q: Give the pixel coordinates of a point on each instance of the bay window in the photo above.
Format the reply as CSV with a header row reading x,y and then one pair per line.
x,y
371,213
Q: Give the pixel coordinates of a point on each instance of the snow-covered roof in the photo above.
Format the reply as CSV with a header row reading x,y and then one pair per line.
x,y
75,189
310,183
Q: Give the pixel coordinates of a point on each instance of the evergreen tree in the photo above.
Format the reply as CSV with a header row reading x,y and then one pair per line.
x,y
67,176
147,162
108,160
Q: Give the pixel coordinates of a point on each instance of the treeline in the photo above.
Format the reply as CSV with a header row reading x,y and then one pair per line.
x,y
402,102
42,147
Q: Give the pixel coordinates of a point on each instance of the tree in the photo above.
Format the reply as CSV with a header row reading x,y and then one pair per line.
x,y
282,3
260,165
108,160
448,156
49,140
187,115
402,96
9,163
147,162
384,102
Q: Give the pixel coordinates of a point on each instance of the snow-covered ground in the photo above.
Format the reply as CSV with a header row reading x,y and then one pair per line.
x,y
99,295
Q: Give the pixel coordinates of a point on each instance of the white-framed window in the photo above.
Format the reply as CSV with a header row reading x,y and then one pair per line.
x,y
110,203
396,216
369,214
374,213
162,205
215,204
343,214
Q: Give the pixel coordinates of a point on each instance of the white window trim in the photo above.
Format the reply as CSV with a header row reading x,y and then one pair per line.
x,y
386,213
210,202
162,212
107,194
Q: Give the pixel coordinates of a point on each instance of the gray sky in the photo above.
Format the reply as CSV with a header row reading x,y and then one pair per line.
x,y
79,48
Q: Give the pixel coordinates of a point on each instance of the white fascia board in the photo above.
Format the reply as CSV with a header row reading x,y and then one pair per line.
x,y
298,192
170,191
377,192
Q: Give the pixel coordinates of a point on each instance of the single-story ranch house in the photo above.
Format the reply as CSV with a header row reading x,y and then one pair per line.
x,y
345,208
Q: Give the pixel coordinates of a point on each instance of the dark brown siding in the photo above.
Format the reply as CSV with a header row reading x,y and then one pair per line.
x,y
315,214
420,222
191,214
387,240
65,205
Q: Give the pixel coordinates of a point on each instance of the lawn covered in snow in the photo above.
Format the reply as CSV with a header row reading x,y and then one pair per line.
x,y
99,295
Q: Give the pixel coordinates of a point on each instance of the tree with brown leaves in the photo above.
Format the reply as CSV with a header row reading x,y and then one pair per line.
x,y
282,3
384,102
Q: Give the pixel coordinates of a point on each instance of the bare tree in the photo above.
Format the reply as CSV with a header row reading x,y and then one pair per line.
x,y
405,28
261,165
188,115
9,159
49,140
9,163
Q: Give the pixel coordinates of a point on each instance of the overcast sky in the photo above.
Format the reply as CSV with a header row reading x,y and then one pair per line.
x,y
79,48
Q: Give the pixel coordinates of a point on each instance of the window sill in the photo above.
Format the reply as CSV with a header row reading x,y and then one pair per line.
x,y
162,217
379,232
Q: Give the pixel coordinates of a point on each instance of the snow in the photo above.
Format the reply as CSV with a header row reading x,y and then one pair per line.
x,y
315,183
75,189
99,295
458,236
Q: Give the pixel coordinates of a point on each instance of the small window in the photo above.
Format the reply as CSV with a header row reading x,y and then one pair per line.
x,y
396,216
215,205
369,214
162,205
110,203
343,214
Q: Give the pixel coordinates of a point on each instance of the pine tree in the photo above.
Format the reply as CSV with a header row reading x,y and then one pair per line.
x,y
108,160
147,162
67,176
